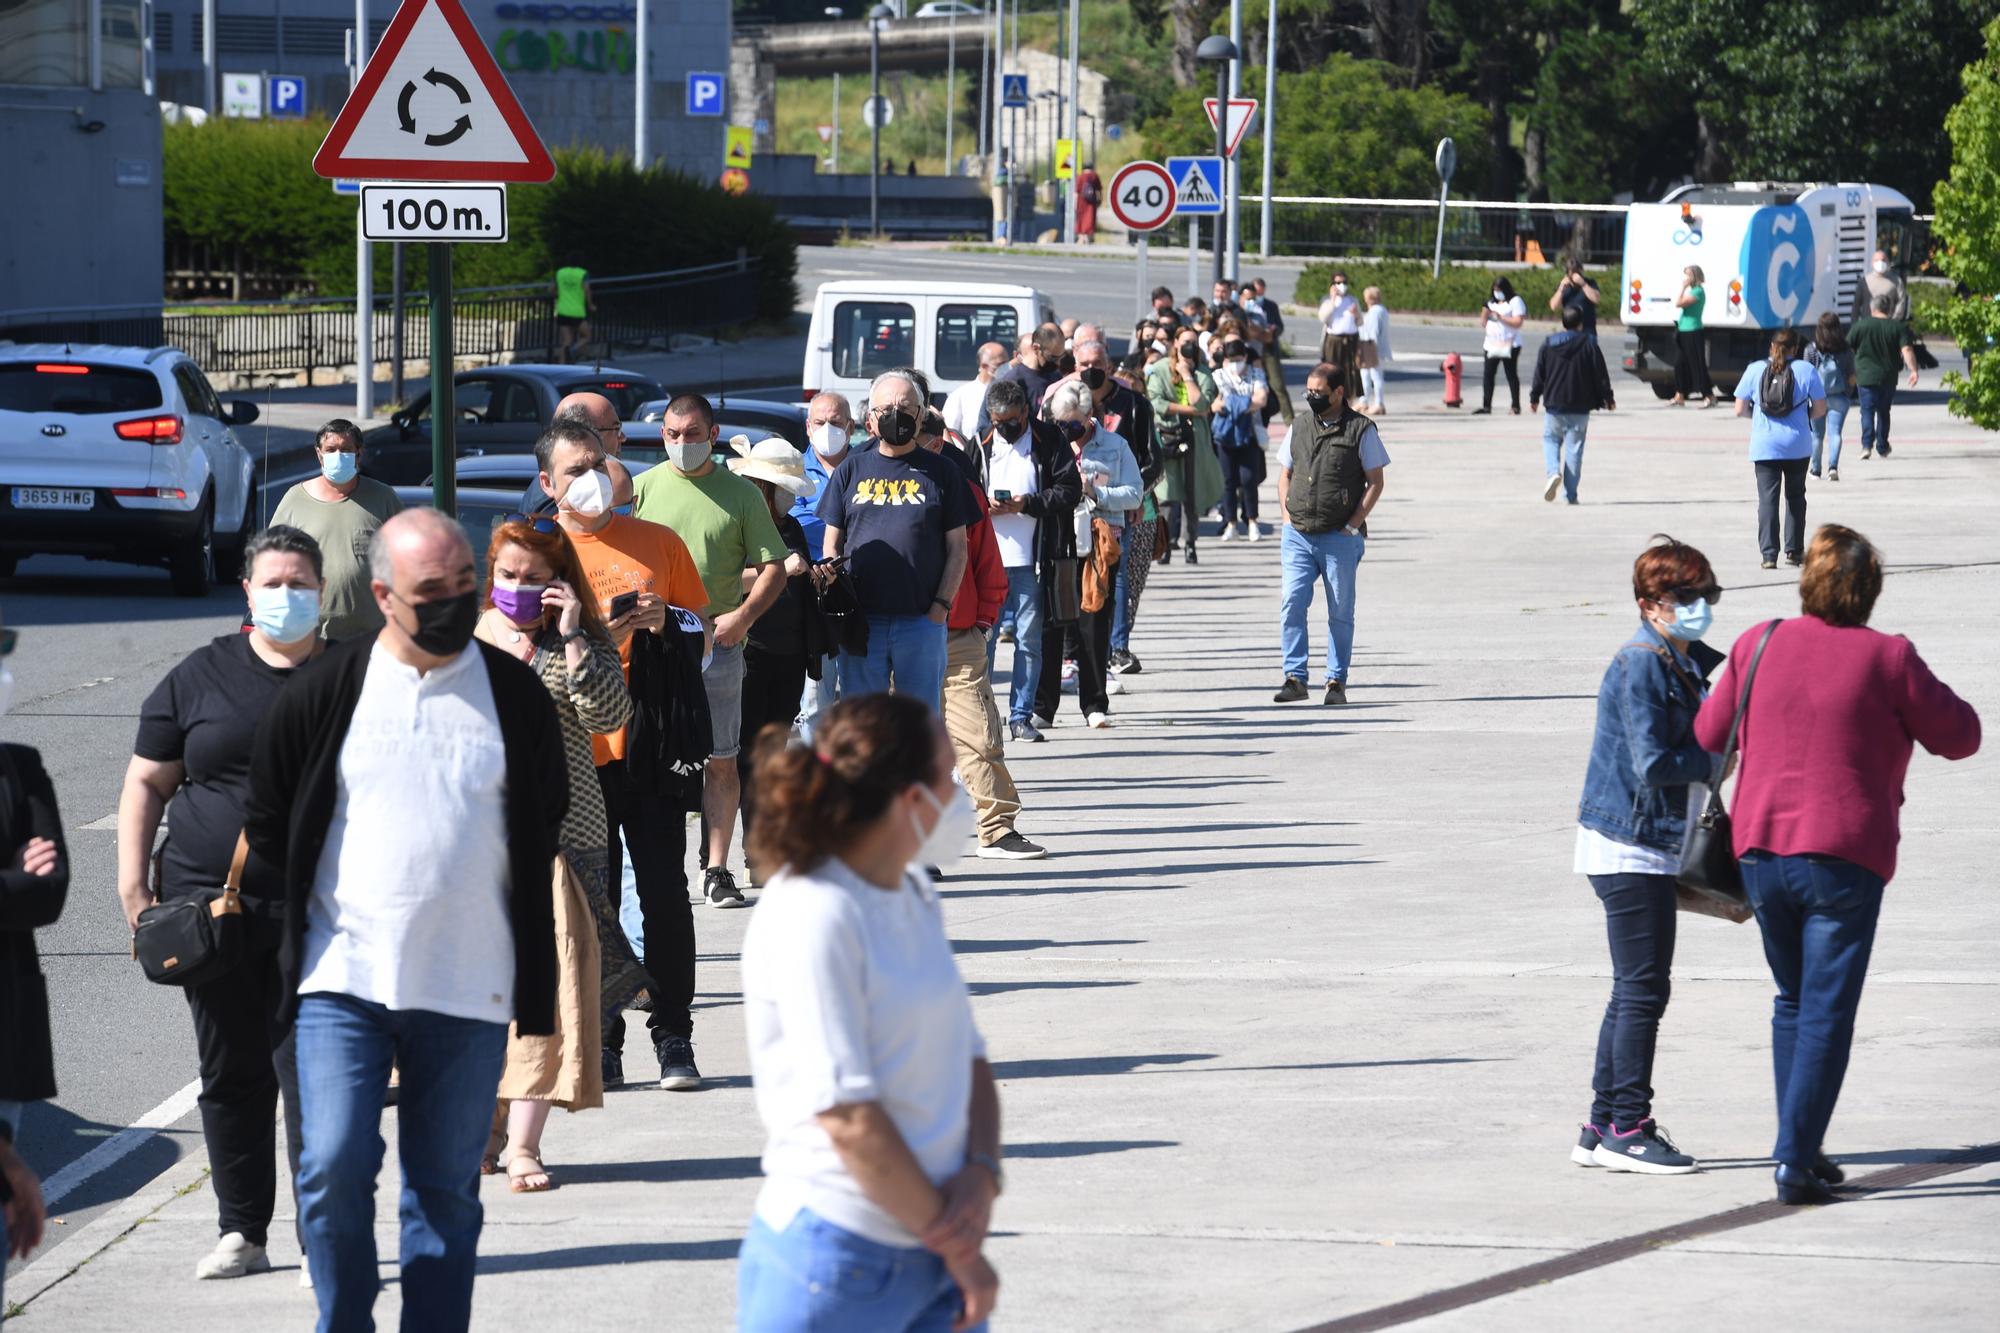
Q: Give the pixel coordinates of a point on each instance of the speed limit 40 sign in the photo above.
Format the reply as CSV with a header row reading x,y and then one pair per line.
x,y
1142,196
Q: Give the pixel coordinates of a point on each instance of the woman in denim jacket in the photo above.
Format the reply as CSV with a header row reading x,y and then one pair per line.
x,y
1628,839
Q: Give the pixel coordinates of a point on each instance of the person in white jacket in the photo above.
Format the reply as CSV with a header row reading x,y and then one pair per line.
x,y
1375,353
1111,488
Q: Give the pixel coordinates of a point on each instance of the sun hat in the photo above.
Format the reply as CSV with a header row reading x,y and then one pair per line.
x,y
773,460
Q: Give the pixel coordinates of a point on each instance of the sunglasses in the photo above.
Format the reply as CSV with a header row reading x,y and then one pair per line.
x,y
8,639
1689,596
538,522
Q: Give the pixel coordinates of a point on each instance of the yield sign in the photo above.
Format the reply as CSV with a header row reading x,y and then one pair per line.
x,y
432,106
1242,110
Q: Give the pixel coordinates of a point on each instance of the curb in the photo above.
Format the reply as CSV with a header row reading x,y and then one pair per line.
x,y
57,1264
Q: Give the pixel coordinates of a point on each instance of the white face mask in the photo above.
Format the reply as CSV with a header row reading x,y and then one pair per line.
x,y
1340,289
689,455
6,690
589,494
1881,266
828,439
1237,367
944,845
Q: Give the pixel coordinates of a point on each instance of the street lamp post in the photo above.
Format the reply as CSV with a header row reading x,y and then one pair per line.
x,y
833,155
1220,52
877,16
950,70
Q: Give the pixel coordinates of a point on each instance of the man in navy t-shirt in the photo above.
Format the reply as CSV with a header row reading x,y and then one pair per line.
x,y
899,514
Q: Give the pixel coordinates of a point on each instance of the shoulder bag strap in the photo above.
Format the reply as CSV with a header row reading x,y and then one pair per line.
x,y
1742,706
231,901
1672,661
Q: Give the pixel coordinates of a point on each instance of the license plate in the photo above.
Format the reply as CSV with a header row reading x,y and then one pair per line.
x,y
48,497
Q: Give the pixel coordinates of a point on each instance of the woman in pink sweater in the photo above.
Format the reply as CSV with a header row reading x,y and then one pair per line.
x,y
1826,739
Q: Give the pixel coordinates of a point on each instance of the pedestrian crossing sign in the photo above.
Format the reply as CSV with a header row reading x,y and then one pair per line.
x,y
1197,185
736,147
1065,159
1013,90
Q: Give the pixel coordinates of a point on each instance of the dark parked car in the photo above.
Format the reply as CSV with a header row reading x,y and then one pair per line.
x,y
501,409
759,418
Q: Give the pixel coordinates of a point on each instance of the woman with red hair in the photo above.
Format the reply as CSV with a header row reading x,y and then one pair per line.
x,y
1630,824
534,611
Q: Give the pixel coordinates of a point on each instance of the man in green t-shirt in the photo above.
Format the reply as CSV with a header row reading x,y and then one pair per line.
x,y
341,509
1879,342
574,305
729,532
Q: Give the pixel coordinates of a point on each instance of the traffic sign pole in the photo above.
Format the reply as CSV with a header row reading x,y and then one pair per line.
x,y
1139,296
364,262
444,411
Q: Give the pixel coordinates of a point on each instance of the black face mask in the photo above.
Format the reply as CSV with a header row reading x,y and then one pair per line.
x,y
1093,377
1319,403
1011,431
895,427
444,624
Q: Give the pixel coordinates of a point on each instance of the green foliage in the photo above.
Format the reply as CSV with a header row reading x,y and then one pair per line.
x,y
1457,290
1836,90
1345,128
1967,232
249,183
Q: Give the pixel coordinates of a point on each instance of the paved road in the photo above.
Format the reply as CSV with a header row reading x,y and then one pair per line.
x,y
1297,1020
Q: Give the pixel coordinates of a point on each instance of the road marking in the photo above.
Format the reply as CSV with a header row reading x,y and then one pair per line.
x,y
109,821
119,1146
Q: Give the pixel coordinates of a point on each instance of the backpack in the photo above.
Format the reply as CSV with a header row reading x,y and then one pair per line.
x,y
1778,393
1089,192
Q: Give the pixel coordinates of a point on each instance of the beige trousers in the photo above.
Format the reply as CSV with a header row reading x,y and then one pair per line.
x,y
973,723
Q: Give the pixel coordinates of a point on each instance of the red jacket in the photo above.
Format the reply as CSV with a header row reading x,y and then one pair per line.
x,y
1827,737
984,587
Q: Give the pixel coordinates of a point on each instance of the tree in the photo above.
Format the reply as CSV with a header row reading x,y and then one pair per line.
x,y
1967,232
1836,90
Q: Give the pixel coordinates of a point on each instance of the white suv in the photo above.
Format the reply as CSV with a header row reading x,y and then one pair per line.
x,y
121,453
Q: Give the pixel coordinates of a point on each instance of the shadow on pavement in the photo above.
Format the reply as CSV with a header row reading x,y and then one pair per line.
x,y
1086,1148
1029,946
670,1172
595,1256
983,988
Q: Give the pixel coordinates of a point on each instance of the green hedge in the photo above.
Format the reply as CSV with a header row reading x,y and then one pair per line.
x,y
1456,291
250,184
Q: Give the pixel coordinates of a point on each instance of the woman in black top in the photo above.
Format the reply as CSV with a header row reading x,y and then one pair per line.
x,y
775,660
193,749
34,880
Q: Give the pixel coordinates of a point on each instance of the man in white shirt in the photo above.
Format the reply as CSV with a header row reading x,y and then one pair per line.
x,y
411,792
965,409
1340,329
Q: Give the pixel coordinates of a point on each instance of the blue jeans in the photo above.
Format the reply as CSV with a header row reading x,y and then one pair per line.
x,y
1876,399
1828,428
907,651
450,1072
1818,918
1121,594
818,696
1022,610
815,1275
630,917
1562,448
1639,920
1330,559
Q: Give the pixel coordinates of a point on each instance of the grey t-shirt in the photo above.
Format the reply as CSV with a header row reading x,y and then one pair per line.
x,y
347,607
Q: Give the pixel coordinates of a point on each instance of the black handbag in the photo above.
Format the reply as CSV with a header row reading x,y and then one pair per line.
x,y
196,939
1708,857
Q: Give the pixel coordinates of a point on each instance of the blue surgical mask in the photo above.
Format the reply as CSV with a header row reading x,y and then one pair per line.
x,y
340,466
285,615
1692,620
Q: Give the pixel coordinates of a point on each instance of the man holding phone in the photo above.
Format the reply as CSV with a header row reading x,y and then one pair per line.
x,y
636,570
1577,290
1030,476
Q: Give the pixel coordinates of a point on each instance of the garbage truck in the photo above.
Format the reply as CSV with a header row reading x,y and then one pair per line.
x,y
1772,254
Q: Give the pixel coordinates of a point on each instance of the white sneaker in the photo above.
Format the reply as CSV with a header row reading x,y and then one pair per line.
x,y
1228,534
232,1256
1554,486
1256,533
305,1274
1113,685
1098,720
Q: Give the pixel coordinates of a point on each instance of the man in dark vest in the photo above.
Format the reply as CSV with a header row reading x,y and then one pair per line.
x,y
1329,478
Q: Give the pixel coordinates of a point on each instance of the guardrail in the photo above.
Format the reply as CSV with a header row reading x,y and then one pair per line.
x,y
1474,229
488,323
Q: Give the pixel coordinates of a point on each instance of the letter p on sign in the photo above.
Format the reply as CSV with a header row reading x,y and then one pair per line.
x,y
704,94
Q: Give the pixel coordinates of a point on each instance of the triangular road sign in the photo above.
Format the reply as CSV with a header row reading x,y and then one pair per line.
x,y
1242,110
432,106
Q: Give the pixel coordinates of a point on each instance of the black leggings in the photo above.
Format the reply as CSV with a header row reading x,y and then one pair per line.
x,y
1242,466
246,1061
1691,365
1091,638
1513,364
654,825
772,685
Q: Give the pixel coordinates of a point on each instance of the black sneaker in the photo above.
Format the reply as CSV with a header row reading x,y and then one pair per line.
x,y
613,1065
1024,731
1011,846
1794,558
1191,557
719,887
1290,692
1336,693
1124,663
1585,1151
1882,449
677,1071
1644,1148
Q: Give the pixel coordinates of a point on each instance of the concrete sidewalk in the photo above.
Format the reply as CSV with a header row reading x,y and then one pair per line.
x,y
1296,1022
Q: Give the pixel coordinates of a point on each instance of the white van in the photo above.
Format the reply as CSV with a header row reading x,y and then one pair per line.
x,y
863,327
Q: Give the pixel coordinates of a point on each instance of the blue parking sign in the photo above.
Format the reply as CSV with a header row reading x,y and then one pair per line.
x,y
287,96
1013,90
704,94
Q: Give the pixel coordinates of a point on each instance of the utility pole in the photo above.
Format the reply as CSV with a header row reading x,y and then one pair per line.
x,y
985,86
835,168
208,56
1232,178
950,73
364,254
1270,125
1075,140
641,67
874,119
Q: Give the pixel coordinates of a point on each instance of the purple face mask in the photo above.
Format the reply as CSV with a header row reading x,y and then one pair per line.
x,y
522,605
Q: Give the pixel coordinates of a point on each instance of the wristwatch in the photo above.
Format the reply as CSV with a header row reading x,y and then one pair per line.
x,y
992,1166
939,601
578,633
1351,530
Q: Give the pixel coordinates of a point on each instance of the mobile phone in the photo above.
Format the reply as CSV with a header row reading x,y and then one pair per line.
x,y
1002,497
624,604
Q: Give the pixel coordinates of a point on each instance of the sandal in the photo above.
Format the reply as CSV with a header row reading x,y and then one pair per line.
x,y
496,1143
521,1182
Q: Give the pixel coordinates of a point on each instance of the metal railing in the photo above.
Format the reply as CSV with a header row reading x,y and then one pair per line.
x,y
1475,229
489,323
